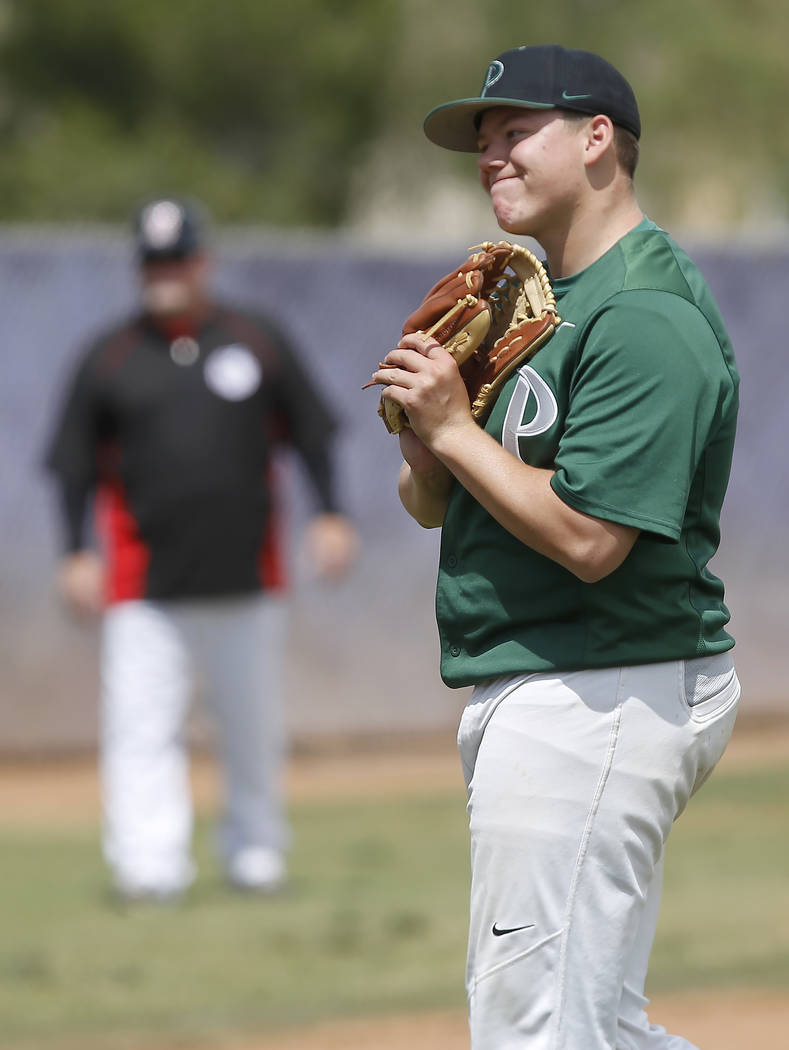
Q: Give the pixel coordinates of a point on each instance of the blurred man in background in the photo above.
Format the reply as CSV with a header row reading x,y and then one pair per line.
x,y
170,422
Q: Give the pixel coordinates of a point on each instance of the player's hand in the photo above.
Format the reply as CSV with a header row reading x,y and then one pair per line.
x,y
331,545
80,583
424,379
419,457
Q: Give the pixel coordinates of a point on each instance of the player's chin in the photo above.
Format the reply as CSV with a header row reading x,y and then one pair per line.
x,y
510,219
512,223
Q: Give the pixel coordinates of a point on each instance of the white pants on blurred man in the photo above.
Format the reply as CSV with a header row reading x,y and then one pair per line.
x,y
152,654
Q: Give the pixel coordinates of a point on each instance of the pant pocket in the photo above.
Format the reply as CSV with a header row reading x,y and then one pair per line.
x,y
711,695
709,687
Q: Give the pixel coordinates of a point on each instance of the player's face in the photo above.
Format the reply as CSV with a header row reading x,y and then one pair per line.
x,y
531,164
174,286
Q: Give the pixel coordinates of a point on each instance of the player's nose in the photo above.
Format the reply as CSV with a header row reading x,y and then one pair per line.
x,y
489,164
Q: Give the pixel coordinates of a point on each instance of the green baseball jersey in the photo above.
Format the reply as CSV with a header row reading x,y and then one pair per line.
x,y
633,404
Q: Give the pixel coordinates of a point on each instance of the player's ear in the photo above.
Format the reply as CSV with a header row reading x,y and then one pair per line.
x,y
599,137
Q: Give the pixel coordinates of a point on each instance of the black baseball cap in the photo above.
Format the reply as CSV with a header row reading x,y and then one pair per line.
x,y
169,228
546,76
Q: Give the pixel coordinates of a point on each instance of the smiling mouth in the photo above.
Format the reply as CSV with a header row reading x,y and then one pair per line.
x,y
500,183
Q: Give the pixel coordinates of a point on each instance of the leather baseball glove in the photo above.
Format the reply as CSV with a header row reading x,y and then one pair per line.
x,y
492,315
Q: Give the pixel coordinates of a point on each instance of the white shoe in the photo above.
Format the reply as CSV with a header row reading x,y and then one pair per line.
x,y
155,886
258,869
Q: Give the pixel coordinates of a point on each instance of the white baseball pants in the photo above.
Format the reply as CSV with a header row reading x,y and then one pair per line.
x,y
574,781
151,654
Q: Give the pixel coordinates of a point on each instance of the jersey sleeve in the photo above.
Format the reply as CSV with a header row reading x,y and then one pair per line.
x,y
71,453
645,398
304,419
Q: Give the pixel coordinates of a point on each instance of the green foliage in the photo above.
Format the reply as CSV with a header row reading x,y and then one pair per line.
x,y
374,920
275,112
259,108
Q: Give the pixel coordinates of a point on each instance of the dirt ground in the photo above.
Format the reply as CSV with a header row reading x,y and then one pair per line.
x,y
48,791
65,792
737,1022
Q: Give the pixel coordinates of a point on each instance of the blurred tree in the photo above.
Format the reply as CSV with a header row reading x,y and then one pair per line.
x,y
259,107
307,113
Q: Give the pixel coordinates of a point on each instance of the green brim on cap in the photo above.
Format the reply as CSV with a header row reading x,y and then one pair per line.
x,y
452,124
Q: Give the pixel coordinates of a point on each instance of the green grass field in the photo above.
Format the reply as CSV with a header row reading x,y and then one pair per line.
x,y
374,920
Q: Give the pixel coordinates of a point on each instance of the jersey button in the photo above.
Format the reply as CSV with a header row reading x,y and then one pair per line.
x,y
452,561
454,650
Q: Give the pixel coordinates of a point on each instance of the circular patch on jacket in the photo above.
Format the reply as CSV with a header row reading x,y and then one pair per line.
x,y
184,351
232,372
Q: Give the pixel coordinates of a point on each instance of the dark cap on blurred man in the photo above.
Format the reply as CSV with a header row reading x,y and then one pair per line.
x,y
169,228
171,239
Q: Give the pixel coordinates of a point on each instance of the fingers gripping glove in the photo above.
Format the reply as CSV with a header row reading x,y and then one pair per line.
x,y
492,315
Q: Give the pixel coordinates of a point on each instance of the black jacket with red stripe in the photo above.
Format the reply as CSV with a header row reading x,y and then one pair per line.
x,y
174,431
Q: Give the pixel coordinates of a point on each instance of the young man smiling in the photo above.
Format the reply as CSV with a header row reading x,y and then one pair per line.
x,y
574,592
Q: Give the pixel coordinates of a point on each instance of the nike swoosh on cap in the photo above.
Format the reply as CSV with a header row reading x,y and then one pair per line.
x,y
573,98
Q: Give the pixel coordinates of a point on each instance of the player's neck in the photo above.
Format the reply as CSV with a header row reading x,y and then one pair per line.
x,y
183,322
591,232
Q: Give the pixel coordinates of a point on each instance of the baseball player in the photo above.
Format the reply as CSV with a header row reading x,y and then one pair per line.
x,y
170,421
574,591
